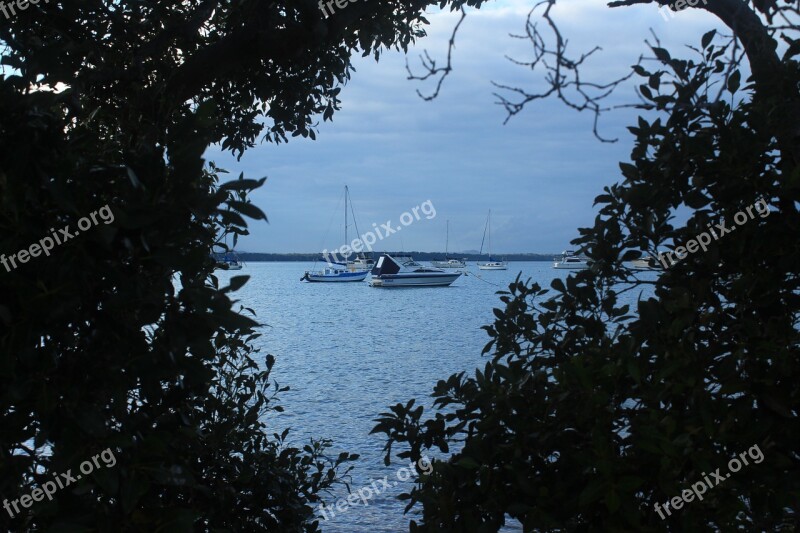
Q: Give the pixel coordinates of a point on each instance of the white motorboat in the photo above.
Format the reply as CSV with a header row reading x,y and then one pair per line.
x,y
570,261
449,263
492,263
405,272
645,263
362,262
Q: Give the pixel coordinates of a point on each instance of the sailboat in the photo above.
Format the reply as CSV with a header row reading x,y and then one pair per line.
x,y
448,263
357,270
230,260
492,264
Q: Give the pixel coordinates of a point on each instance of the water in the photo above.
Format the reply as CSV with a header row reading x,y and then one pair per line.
x,y
349,351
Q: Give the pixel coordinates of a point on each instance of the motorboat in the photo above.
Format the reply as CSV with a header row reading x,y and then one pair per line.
x,y
645,263
335,275
492,263
405,272
449,263
362,262
570,261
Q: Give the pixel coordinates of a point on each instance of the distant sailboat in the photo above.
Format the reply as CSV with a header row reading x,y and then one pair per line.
x,y
448,263
492,264
230,260
357,270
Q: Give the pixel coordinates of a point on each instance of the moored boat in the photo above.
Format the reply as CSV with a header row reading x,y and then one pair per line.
x,y
645,263
449,263
335,275
492,263
230,261
405,272
356,270
570,261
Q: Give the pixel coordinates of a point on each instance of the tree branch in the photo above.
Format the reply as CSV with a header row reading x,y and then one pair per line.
x,y
429,64
562,73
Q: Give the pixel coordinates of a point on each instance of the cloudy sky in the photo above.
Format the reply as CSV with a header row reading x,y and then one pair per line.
x,y
538,174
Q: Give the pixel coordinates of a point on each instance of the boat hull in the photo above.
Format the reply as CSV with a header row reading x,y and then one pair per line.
x,y
414,280
342,277
448,264
491,266
227,266
570,266
643,264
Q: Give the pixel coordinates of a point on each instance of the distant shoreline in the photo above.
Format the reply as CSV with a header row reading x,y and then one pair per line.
x,y
255,257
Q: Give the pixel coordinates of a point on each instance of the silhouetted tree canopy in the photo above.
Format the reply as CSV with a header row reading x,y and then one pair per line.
x,y
121,338
589,413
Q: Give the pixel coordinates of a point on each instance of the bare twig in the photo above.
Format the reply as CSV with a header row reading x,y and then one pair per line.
x,y
562,73
429,64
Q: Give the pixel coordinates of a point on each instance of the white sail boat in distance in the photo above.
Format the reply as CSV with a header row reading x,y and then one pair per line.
x,y
342,272
492,264
448,263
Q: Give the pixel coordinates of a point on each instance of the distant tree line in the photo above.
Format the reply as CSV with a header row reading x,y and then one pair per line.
x,y
419,256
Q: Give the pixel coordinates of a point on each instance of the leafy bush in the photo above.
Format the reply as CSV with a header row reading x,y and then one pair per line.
x,y
588,413
122,338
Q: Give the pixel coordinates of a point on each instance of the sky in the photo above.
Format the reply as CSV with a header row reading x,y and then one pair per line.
x,y
539,173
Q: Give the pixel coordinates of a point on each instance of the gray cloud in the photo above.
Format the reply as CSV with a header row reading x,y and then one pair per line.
x,y
539,174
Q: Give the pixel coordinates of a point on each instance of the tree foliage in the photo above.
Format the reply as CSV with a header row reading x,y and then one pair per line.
x,y
122,337
589,413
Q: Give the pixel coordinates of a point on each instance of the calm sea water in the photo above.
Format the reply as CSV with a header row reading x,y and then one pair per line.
x,y
348,351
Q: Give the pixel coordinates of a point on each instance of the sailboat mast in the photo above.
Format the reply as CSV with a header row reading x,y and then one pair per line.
x,y
447,240
346,194
489,231
484,234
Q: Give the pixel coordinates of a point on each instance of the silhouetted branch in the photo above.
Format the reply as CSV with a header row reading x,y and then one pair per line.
x,y
562,73
429,64
622,3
